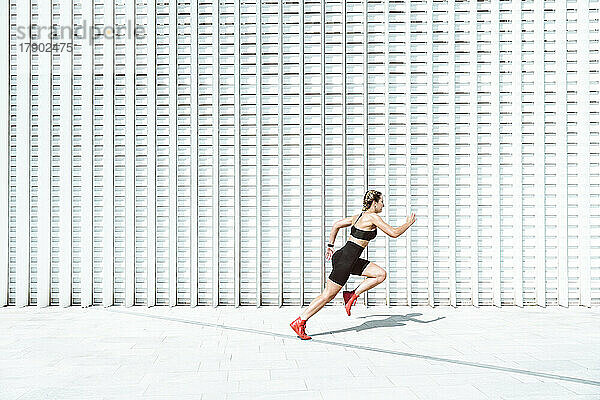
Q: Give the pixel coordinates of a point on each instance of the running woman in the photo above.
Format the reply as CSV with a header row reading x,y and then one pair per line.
x,y
347,260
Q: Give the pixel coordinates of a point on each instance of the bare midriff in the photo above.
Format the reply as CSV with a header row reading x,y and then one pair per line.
x,y
362,243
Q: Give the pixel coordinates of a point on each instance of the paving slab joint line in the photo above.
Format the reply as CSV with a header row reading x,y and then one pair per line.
x,y
374,349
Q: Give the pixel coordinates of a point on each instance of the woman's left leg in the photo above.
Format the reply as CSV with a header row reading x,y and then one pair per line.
x,y
299,325
331,290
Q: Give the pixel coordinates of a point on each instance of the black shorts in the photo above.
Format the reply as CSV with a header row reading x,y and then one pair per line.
x,y
347,261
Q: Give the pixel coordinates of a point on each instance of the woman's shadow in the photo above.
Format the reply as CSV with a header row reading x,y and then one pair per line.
x,y
389,322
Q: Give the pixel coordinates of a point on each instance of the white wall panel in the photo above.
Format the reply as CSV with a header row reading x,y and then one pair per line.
x,y
83,149
205,168
130,164
12,168
473,170
194,20
171,128
215,151
527,294
184,160
166,120
122,132
34,166
301,133
561,154
492,87
203,158
22,122
583,287
439,274
576,128
145,54
314,150
290,153
452,284
594,93
107,224
538,162
62,76
5,152
374,128
509,142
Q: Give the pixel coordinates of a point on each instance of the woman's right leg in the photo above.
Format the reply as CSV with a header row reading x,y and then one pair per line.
x,y
331,290
375,275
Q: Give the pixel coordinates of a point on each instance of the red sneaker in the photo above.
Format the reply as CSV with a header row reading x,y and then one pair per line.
x,y
351,301
347,294
299,327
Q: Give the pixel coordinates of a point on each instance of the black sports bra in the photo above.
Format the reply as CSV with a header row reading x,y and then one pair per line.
x,y
361,234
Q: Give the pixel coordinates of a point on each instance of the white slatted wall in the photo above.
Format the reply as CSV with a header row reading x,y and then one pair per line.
x,y
204,160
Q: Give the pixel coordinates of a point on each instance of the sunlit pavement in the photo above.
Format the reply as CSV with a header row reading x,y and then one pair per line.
x,y
252,353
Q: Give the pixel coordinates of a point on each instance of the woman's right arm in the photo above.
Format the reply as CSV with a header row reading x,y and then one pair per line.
x,y
394,231
342,223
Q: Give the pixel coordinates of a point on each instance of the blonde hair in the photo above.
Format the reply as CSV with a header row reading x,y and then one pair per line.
x,y
370,197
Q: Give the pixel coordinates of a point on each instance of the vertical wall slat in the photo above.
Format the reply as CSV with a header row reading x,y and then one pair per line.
x,y
408,124
4,149
44,162
23,134
302,110
583,152
183,177
87,144
324,235
215,177
344,131
65,213
430,162
473,168
151,210
173,124
561,153
107,163
194,158
452,153
166,136
236,162
259,154
516,156
386,13
33,158
539,157
365,101
120,152
12,139
495,154
130,161
280,155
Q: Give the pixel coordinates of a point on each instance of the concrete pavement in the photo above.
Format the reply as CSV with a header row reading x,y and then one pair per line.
x,y
251,353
